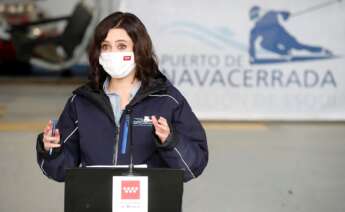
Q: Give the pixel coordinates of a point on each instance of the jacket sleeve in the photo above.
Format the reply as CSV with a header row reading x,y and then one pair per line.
x,y
67,156
186,147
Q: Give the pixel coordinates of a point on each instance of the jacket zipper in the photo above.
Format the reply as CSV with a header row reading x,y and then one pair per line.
x,y
117,143
117,135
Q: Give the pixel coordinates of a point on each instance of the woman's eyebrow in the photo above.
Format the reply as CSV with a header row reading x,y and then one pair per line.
x,y
121,41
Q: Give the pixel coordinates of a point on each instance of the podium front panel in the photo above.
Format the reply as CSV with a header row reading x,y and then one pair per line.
x,y
90,189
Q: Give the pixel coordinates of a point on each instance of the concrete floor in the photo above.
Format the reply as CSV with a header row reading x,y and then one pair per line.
x,y
253,166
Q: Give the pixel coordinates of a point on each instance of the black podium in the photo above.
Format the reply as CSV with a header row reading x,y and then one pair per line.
x,y
90,189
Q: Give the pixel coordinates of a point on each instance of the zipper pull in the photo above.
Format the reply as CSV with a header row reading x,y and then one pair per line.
x,y
128,110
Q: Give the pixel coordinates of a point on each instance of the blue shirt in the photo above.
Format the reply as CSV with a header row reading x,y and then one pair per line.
x,y
116,101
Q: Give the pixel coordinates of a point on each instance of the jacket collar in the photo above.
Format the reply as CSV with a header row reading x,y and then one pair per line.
x,y
159,84
97,96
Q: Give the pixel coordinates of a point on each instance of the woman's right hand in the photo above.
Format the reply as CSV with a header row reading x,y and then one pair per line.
x,y
50,141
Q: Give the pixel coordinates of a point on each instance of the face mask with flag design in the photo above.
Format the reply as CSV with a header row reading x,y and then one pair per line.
x,y
117,64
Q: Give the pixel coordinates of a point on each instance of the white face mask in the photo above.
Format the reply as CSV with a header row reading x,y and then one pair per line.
x,y
117,64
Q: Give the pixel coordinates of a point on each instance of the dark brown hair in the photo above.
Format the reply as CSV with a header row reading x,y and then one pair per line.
x,y
145,58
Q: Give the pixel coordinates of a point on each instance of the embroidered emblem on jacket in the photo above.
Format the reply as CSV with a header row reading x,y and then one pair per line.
x,y
144,122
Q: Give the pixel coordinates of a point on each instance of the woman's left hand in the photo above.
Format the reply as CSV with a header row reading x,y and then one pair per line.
x,y
162,128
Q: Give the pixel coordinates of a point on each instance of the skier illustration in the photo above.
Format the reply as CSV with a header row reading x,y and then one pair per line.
x,y
271,35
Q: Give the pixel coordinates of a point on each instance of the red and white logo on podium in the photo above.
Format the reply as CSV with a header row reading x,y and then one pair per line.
x,y
130,194
130,189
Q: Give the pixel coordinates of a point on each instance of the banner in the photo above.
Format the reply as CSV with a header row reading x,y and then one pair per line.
x,y
252,60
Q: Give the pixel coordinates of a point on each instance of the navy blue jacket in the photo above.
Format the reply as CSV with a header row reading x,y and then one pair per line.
x,y
89,135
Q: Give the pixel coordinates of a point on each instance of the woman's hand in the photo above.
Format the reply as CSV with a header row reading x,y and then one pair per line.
x,y
162,128
50,141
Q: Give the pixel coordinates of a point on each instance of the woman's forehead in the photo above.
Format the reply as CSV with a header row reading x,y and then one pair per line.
x,y
117,35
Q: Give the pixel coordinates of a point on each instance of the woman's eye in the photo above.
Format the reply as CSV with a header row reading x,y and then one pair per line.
x,y
104,47
121,46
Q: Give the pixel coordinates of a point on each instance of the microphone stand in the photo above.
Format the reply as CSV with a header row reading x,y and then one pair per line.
x,y
130,137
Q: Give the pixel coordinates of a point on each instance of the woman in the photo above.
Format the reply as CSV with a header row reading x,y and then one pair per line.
x,y
126,91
